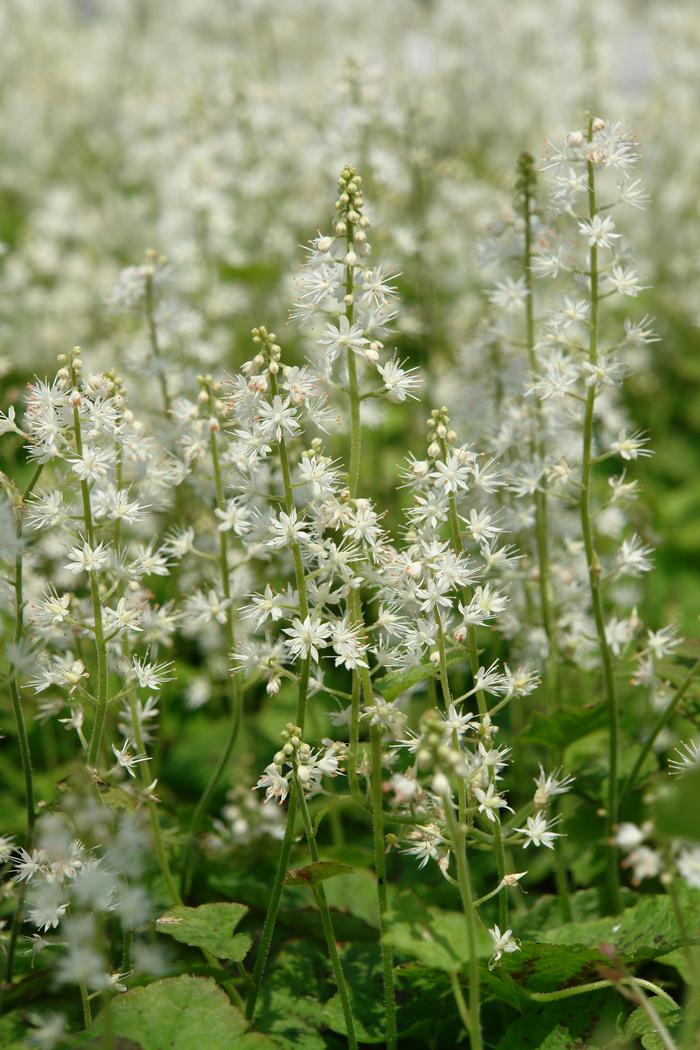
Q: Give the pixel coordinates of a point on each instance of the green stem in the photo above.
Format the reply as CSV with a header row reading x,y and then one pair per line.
x,y
552,676
501,865
653,1016
20,723
155,346
156,832
87,1010
353,386
355,610
457,546
471,919
236,706
272,908
447,699
459,1000
380,868
98,630
594,986
327,923
594,568
354,737
302,694
299,573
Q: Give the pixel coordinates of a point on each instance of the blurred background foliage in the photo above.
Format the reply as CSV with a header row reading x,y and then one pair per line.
x,y
214,132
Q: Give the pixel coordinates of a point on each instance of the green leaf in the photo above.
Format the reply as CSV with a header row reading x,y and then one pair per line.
x,y
540,967
290,1005
436,938
312,874
363,974
562,728
177,1013
645,931
395,683
638,1025
587,1022
571,953
210,927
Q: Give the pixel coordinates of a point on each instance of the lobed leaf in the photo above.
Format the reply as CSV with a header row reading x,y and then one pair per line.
x,y
210,927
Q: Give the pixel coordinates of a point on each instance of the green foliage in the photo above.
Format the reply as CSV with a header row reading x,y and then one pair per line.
x,y
210,927
312,874
178,1013
437,938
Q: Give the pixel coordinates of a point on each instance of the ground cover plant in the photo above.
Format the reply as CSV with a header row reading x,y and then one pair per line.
x,y
340,706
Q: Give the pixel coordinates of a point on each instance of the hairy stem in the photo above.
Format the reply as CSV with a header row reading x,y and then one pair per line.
x,y
471,920
153,340
327,923
156,831
96,599
236,703
380,868
302,694
272,907
20,724
594,566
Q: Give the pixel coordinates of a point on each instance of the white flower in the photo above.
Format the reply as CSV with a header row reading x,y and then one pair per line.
x,y
645,864
87,558
509,295
47,908
7,422
625,281
490,802
124,617
688,758
202,608
46,511
599,231
458,723
348,644
27,865
234,517
115,504
628,836
503,944
151,675
362,523
278,418
663,641
689,865
270,605
307,636
51,610
631,446
633,557
93,464
127,758
537,832
342,337
286,529
275,783
549,785
453,474
399,382
427,841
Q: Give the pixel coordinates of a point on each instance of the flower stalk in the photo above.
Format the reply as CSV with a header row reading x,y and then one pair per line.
x,y
593,561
